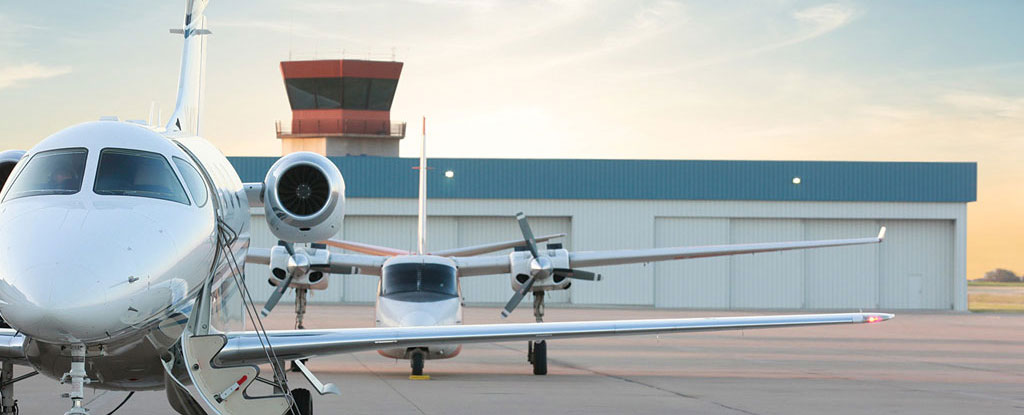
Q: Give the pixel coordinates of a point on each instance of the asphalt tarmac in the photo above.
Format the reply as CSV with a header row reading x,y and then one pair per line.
x,y
914,364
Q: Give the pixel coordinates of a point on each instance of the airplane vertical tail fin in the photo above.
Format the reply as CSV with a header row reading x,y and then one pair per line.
x,y
421,237
191,81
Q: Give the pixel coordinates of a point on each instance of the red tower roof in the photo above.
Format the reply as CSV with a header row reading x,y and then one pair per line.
x,y
342,98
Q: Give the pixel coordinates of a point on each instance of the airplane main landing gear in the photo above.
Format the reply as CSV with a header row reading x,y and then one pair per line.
x,y
537,352
8,406
300,306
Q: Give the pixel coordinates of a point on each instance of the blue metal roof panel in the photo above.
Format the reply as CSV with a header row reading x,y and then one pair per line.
x,y
390,177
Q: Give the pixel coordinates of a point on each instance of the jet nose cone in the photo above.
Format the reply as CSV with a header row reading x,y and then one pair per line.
x,y
65,312
418,318
65,269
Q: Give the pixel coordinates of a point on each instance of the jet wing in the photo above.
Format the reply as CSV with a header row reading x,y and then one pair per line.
x,y
246,348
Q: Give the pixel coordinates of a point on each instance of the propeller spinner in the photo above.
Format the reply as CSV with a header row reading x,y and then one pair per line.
x,y
540,268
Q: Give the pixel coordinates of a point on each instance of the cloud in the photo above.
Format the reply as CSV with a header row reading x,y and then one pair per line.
x,y
11,31
319,7
814,21
282,27
825,18
13,75
643,26
999,106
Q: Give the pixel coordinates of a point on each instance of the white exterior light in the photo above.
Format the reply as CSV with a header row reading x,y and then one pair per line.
x,y
796,180
449,174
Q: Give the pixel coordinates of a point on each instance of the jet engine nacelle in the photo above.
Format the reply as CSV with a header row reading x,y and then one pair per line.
x,y
520,269
304,198
8,159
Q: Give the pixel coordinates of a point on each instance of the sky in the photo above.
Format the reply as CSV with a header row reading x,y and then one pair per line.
x,y
730,80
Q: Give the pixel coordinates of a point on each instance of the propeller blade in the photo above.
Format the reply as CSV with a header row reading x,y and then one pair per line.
x,y
577,274
276,295
287,247
517,298
524,226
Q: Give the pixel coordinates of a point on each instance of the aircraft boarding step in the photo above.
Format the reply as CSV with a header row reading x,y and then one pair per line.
x,y
223,389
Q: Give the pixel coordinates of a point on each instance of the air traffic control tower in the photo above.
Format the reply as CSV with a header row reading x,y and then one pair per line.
x,y
341,107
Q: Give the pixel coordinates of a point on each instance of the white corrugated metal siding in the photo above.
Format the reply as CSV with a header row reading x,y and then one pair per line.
x,y
920,266
699,283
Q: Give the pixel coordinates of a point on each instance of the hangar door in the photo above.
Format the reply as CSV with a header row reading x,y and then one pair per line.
x,y
444,232
912,269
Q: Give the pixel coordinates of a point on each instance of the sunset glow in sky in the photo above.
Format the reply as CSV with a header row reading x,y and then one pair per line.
x,y
770,80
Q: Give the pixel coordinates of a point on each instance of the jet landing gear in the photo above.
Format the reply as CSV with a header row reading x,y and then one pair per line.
x,y
76,377
9,405
537,352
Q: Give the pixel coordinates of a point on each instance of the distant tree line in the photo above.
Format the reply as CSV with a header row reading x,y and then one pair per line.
x,y
1001,275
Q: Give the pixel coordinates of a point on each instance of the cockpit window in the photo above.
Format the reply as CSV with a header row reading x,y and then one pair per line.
x,y
193,180
432,278
137,173
54,172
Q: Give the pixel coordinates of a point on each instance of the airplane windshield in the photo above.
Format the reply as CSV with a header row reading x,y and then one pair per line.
x,y
137,173
55,172
410,278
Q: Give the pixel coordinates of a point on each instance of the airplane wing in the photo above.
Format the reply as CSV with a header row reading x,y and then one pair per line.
x,y
465,251
365,248
492,247
246,348
470,266
483,265
632,256
339,263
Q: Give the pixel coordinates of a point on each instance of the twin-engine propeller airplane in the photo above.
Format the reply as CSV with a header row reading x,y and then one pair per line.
x,y
422,289
123,246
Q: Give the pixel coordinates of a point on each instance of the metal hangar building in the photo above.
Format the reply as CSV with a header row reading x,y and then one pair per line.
x,y
623,204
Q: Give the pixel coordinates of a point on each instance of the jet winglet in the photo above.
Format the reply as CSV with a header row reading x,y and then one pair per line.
x,y
881,234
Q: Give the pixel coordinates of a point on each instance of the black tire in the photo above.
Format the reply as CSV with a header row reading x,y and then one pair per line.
x,y
540,358
303,401
417,364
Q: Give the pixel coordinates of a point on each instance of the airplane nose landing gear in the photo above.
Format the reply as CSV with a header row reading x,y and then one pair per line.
x,y
416,361
537,352
76,377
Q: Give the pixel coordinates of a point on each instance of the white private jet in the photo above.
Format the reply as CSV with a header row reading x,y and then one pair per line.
x,y
422,289
123,246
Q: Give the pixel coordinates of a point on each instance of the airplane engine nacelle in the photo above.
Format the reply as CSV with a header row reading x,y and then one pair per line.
x,y
304,198
8,159
521,269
